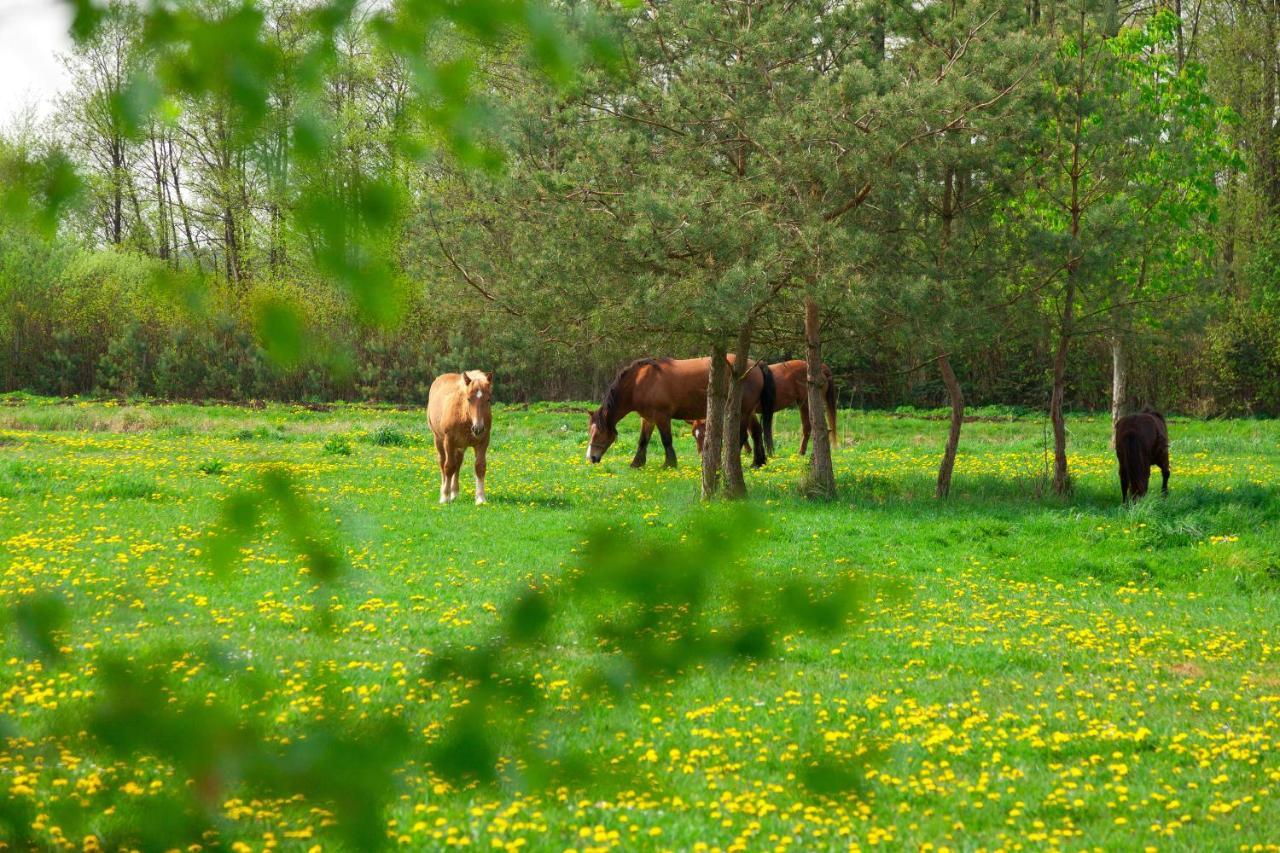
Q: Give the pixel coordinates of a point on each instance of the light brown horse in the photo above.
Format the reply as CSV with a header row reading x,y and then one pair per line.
x,y
792,381
458,409
1142,440
663,389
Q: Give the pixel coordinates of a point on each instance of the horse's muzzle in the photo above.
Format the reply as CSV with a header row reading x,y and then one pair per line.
x,y
477,430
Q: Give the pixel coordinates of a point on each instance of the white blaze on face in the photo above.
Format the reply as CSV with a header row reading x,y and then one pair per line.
x,y
591,438
477,422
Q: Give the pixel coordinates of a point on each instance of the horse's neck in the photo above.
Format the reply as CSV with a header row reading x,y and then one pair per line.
x,y
619,412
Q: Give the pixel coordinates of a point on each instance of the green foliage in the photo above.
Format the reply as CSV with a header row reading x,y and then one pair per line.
x,y
338,445
1244,352
212,467
388,436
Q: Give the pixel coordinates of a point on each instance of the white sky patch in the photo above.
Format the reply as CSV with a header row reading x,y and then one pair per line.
x,y
32,35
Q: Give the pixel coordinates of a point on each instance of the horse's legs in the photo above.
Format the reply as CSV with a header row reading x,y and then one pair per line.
x,y
642,449
455,464
1163,462
757,437
481,450
804,428
442,457
1124,484
668,448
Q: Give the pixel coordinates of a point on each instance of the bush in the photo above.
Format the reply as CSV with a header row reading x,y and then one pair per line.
x,y
1244,357
337,445
388,436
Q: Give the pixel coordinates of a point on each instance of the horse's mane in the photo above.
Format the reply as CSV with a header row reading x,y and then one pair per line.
x,y
1147,410
612,397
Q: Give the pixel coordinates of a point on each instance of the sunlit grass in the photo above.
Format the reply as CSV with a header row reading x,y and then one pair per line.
x,y
1068,672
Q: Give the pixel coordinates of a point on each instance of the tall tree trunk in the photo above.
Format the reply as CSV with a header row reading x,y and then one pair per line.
x,y
117,192
735,485
182,208
822,476
1061,477
957,421
1066,326
159,173
714,430
1119,379
1269,148
954,394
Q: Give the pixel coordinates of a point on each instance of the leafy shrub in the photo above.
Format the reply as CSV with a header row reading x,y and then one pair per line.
x,y
1244,356
388,436
337,445
212,467
126,368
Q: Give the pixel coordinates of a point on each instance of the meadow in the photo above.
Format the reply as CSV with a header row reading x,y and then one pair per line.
x,y
1024,672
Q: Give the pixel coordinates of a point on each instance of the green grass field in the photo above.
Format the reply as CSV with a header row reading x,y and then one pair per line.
x,y
1031,672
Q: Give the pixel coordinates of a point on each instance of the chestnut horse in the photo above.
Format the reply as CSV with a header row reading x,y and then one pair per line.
x,y
458,409
791,379
664,389
1142,440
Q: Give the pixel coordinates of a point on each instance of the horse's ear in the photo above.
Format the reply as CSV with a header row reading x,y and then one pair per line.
x,y
488,377
466,378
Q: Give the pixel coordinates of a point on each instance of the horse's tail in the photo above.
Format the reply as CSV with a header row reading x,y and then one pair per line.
x,y
768,398
831,406
1132,456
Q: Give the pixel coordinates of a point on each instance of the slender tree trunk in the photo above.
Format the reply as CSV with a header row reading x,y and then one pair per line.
x,y
158,171
714,430
117,192
957,421
954,394
1270,147
1066,327
822,476
182,208
735,485
1119,380
1061,477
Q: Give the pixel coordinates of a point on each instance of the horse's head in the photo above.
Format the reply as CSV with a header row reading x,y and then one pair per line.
x,y
479,399
599,436
699,432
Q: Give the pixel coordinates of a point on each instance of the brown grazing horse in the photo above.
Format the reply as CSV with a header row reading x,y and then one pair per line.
x,y
458,409
1142,440
792,381
664,389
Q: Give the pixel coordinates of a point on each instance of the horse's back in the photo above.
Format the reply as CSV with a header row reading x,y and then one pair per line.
x,y
443,392
789,378
678,387
1147,426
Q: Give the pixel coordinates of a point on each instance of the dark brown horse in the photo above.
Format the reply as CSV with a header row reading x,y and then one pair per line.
x,y
792,381
1142,440
664,389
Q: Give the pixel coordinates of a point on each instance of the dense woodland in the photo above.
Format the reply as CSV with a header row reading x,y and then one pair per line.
x,y
1060,204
